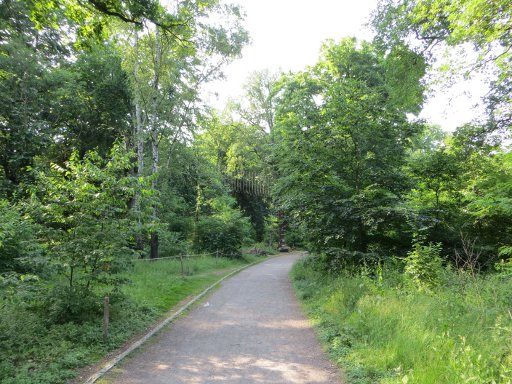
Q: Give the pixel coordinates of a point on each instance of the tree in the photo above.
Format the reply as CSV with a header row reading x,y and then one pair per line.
x,y
491,208
20,252
90,103
342,136
83,208
53,103
26,57
435,196
450,176
241,153
486,25
258,106
90,18
166,95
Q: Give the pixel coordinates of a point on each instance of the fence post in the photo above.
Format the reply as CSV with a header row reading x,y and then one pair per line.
x,y
216,256
188,264
106,316
181,261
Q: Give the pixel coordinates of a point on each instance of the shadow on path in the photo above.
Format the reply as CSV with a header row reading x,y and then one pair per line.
x,y
249,331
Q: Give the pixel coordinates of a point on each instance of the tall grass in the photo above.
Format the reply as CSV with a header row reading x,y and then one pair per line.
x,y
380,330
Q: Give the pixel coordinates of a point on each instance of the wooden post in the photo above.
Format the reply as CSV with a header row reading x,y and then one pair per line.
x,y
182,270
106,316
188,264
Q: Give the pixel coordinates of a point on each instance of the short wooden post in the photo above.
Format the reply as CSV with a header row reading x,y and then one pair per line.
x,y
188,264
106,316
181,261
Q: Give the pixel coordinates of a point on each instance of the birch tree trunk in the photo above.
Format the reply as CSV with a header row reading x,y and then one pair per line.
x,y
139,141
154,137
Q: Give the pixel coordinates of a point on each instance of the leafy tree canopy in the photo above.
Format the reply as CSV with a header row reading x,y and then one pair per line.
x,y
486,25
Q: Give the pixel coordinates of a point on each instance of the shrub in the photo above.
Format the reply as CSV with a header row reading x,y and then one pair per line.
x,y
84,211
19,249
171,244
214,234
423,266
224,231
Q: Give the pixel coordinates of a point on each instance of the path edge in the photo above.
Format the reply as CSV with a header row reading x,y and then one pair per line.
x,y
113,362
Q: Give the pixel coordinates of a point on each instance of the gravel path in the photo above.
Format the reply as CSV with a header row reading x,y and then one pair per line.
x,y
251,330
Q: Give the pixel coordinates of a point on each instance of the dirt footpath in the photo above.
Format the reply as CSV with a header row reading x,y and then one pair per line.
x,y
251,330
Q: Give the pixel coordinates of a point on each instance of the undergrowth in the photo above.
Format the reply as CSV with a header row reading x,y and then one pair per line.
x,y
33,349
380,328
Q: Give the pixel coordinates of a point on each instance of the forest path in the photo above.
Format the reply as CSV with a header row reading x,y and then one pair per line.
x,y
251,330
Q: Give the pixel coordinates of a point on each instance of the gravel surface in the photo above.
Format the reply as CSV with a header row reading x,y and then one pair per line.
x,y
251,330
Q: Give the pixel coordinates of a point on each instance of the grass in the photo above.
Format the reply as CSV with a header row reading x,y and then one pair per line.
x,y
35,350
165,277
379,330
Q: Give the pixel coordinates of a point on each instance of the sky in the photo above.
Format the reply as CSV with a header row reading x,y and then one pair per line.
x,y
287,35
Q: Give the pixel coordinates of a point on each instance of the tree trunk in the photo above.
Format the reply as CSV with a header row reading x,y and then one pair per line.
x,y
139,142
281,232
154,138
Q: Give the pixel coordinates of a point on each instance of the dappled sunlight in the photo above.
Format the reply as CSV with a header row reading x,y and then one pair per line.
x,y
252,332
239,369
287,324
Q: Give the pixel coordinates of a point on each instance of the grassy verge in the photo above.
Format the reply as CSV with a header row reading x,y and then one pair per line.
x,y
33,350
380,331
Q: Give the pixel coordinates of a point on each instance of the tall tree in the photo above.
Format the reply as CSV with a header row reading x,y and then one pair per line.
x,y
342,132
167,93
26,57
485,25
241,153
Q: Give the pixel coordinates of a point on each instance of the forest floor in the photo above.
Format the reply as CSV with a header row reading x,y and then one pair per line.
x,y
251,330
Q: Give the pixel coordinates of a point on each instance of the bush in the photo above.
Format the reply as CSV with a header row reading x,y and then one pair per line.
x,y
423,266
225,231
171,244
214,234
19,249
84,211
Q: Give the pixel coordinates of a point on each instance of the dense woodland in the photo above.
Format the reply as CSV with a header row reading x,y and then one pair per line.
x,y
109,154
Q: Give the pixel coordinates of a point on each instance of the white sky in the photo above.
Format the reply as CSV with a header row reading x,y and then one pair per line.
x,y
287,35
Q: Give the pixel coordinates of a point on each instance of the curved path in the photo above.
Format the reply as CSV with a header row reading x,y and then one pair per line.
x,y
251,330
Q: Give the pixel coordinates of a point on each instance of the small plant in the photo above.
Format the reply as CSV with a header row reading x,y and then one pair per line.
x,y
423,266
467,258
505,265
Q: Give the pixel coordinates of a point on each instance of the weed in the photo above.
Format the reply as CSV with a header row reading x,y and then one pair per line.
x,y
458,330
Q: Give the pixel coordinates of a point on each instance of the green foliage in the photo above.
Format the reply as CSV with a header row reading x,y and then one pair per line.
x,y
84,210
341,138
379,331
91,101
490,202
423,266
24,129
225,231
484,25
20,252
454,183
241,152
